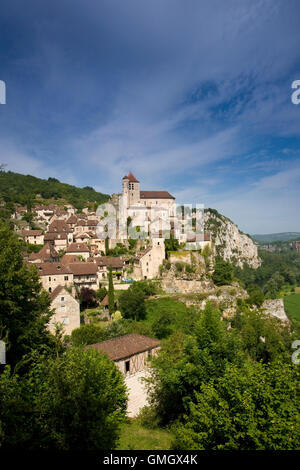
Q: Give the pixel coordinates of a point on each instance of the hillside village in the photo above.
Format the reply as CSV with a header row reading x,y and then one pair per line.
x,y
75,252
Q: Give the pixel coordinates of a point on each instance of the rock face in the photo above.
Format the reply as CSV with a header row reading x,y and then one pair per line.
x,y
275,308
229,242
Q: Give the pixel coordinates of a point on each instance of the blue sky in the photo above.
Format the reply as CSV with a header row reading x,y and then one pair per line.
x,y
193,97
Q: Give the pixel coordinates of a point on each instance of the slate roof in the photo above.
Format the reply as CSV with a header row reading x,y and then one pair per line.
x,y
125,346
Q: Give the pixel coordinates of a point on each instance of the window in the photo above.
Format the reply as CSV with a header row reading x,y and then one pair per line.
x,y
127,366
66,278
50,290
65,320
63,308
62,299
49,278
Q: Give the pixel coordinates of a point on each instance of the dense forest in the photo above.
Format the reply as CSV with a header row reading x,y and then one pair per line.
x,y
29,190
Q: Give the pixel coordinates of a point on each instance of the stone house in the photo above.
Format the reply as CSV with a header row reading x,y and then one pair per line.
x,y
47,254
58,240
60,226
54,274
78,249
34,237
66,310
85,274
146,263
129,352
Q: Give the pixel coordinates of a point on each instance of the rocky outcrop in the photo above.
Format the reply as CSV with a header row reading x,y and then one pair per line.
x,y
229,242
275,308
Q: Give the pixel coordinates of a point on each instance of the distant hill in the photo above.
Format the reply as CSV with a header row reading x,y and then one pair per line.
x,y
27,189
276,237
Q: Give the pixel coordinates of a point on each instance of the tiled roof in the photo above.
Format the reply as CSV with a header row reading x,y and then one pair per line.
x,y
107,261
45,253
55,236
125,346
30,233
77,248
156,195
81,268
67,259
47,269
59,226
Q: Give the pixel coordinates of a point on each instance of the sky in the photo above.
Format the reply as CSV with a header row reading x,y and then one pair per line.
x,y
193,97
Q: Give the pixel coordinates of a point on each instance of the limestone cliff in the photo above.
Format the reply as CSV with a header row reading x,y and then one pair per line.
x,y
229,242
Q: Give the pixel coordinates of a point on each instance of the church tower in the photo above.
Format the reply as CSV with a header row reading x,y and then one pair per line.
x,y
131,188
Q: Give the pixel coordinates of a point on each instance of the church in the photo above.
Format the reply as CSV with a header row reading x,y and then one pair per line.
x,y
151,211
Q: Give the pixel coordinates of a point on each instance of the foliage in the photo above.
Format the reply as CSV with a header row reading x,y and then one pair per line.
x,y
186,361
88,298
223,273
254,407
17,188
111,295
75,402
171,244
100,294
87,334
135,436
24,305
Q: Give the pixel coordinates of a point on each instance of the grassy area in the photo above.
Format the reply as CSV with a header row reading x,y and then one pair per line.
x,y
136,437
292,306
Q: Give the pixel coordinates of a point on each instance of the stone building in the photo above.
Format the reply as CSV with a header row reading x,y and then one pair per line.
x,y
54,274
35,237
66,310
78,249
47,254
129,352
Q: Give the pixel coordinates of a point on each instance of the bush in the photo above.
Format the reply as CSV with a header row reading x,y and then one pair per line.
x,y
223,273
75,402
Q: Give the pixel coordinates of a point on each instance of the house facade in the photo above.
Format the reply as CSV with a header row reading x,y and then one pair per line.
x,y
66,310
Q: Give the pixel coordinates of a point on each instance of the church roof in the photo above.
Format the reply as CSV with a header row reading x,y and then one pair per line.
x,y
156,195
131,178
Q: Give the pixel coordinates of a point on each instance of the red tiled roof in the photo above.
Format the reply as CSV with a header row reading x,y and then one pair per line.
x,y
156,195
59,226
30,233
77,248
125,346
81,268
107,261
47,269
46,253
131,178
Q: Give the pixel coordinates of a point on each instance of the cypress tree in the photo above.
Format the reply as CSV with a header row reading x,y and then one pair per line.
x,y
111,295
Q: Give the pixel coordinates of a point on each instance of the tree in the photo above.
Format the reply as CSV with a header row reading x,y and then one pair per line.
x,y
132,303
87,334
24,305
185,362
171,244
74,402
88,298
111,294
101,293
255,407
223,273
106,246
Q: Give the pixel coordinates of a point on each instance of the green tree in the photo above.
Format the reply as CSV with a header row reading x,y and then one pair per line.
x,y
132,304
255,407
223,273
111,294
185,362
106,246
24,305
75,402
87,334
